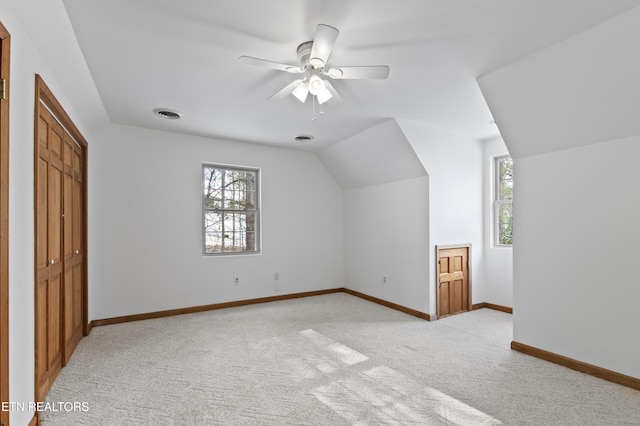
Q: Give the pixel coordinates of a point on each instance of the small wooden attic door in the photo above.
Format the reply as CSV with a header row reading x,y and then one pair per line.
x,y
453,283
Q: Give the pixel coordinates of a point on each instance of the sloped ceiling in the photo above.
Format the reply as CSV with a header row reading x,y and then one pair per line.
x,y
376,156
127,57
183,55
580,91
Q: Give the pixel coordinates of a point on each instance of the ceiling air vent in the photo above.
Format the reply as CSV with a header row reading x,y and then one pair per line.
x,y
167,113
303,138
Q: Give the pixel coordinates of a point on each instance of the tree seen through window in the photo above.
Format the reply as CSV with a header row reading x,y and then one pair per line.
x,y
230,209
504,201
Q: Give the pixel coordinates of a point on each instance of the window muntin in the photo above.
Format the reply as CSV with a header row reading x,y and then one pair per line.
x,y
503,202
230,206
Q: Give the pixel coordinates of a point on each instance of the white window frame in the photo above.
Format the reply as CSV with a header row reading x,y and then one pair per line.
x,y
231,211
498,202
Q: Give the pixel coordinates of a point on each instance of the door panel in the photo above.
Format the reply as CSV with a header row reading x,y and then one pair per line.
x,y
49,259
60,287
53,328
41,216
453,290
72,247
42,366
78,247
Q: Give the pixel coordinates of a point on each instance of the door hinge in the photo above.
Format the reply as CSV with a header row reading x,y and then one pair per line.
x,y
3,88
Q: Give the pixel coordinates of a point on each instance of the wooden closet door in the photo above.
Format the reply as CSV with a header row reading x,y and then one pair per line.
x,y
72,246
453,290
60,262
49,255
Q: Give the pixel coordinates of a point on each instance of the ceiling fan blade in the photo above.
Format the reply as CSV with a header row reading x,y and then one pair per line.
x,y
286,91
335,97
322,46
361,72
294,69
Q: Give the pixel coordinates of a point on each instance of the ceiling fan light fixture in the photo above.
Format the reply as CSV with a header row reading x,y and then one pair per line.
x,y
301,92
315,85
323,95
313,57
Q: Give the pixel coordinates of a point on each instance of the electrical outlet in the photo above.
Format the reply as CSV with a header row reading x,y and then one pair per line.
x,y
384,279
236,280
276,276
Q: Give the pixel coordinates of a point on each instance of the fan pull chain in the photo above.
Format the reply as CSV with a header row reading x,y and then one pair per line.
x,y
313,108
313,102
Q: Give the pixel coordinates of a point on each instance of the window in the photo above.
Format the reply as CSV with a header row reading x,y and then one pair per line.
x,y
230,210
503,216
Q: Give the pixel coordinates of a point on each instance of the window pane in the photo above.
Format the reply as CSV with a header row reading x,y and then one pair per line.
x,y
212,232
505,224
230,210
212,221
212,188
213,242
503,213
235,242
505,178
239,235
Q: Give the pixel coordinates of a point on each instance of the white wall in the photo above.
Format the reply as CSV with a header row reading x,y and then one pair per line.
x,y
454,164
26,61
145,207
386,214
498,261
576,236
569,116
387,235
21,219
447,206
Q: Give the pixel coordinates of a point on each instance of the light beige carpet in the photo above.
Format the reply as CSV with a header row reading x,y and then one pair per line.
x,y
325,360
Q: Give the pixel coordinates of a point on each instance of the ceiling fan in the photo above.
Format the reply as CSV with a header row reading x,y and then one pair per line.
x,y
313,57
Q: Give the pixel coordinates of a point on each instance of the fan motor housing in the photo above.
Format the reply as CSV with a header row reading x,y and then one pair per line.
x,y
304,52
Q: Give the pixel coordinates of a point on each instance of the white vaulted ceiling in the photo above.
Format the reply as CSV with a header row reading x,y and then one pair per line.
x,y
183,55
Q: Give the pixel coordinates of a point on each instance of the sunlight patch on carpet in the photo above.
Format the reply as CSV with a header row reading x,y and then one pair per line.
x,y
344,354
362,395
